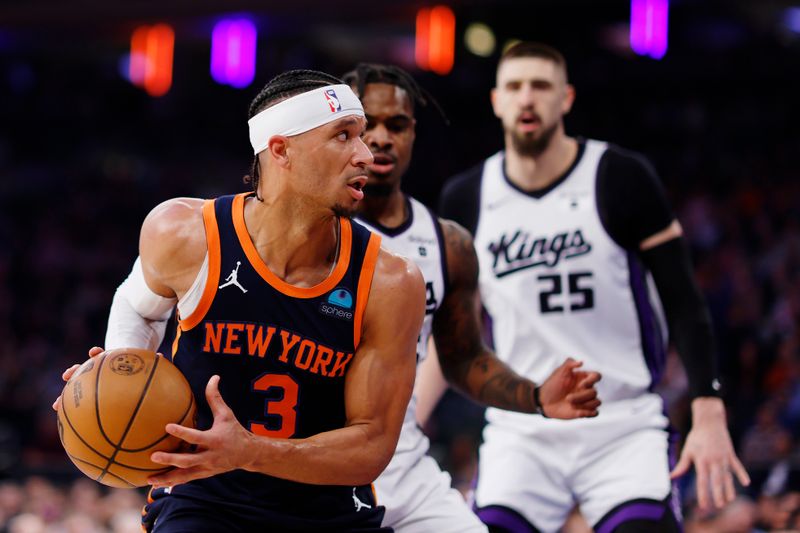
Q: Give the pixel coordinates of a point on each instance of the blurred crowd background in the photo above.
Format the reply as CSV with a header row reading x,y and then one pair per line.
x,y
84,155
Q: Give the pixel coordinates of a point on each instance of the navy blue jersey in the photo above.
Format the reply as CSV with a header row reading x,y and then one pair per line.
x,y
282,353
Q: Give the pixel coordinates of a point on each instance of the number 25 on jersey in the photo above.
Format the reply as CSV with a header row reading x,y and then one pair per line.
x,y
578,297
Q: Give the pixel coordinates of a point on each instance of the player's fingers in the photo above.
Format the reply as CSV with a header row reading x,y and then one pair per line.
x,y
57,404
582,380
579,375
580,396
590,405
702,486
95,350
176,477
68,372
214,398
729,491
682,467
589,380
717,483
190,435
739,470
181,460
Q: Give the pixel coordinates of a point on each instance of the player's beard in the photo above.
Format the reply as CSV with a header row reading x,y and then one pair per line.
x,y
341,211
528,145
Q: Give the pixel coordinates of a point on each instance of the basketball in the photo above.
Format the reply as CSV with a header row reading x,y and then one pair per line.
x,y
113,413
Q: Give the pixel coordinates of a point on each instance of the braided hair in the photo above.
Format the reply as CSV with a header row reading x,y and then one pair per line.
x,y
279,88
366,73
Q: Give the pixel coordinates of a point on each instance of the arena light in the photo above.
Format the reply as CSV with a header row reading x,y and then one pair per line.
x,y
648,32
435,39
151,58
233,52
138,59
443,40
479,39
423,38
791,19
160,47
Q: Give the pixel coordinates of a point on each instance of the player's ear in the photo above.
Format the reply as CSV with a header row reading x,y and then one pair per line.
x,y
569,98
278,148
493,98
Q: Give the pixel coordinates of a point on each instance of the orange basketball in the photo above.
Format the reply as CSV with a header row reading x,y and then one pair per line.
x,y
113,413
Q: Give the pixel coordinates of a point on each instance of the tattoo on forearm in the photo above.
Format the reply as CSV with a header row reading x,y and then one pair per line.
x,y
466,362
506,390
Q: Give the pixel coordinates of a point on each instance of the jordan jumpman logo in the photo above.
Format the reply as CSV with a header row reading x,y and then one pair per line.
x,y
231,279
359,504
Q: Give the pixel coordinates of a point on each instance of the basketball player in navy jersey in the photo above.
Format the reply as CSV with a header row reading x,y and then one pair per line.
x,y
297,332
416,493
570,234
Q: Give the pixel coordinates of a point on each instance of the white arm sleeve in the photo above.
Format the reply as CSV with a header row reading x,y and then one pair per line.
x,y
138,316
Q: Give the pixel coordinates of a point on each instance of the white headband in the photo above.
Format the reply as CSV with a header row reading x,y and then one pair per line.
x,y
302,113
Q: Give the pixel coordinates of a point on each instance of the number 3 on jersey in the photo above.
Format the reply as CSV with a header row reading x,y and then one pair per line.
x,y
280,405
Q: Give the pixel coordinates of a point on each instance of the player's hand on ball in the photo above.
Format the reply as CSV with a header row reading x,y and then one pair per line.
x,y
94,351
569,392
222,448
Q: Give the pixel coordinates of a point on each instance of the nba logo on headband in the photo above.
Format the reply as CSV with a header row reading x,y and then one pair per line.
x,y
333,101
303,112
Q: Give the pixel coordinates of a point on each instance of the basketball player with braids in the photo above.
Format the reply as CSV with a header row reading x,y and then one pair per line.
x,y
416,493
293,325
577,244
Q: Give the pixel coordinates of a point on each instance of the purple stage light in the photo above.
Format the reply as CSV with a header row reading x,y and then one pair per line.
x,y
791,19
233,52
648,34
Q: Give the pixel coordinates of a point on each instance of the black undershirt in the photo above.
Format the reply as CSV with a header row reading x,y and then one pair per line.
x,y
633,206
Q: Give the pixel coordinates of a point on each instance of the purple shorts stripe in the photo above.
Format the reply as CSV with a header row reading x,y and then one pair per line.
x,y
508,519
634,511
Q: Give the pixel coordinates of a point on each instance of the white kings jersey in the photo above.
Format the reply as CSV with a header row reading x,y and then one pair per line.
x,y
556,285
420,239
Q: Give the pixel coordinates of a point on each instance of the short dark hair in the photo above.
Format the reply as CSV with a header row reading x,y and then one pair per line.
x,y
279,88
533,49
366,73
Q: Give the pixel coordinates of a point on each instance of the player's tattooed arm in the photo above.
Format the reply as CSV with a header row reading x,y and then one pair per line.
x,y
466,362
470,366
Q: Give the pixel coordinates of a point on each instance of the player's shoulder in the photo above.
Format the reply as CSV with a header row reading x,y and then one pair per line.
x,y
176,217
460,258
176,211
456,238
174,227
396,273
617,161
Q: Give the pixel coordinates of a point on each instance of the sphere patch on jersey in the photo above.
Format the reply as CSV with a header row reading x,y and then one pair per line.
x,y
338,305
341,297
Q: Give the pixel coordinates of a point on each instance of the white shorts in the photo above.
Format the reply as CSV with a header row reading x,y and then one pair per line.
x,y
419,499
598,464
